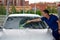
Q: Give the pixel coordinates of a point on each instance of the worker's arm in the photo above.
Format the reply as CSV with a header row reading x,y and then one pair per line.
x,y
34,20
58,26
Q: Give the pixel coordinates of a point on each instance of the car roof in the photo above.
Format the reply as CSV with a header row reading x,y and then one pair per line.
x,y
24,15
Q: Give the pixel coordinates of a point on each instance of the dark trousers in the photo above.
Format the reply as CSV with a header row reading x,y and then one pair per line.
x,y
56,35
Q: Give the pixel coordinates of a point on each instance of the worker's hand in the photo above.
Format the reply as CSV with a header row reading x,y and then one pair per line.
x,y
28,21
59,31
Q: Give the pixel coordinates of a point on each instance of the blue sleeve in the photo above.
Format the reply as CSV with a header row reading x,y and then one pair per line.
x,y
55,18
42,18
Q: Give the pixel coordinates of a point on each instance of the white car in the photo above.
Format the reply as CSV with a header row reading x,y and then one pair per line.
x,y
16,28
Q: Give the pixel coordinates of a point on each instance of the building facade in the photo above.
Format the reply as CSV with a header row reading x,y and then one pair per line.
x,y
15,2
41,6
19,4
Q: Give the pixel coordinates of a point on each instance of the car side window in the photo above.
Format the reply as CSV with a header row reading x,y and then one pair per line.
x,y
32,25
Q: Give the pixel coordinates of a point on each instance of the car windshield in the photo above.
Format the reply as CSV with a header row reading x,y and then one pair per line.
x,y
20,23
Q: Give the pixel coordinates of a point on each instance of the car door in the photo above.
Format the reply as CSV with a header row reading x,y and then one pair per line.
x,y
36,30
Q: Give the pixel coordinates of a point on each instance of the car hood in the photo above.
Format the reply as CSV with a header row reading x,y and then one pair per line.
x,y
26,34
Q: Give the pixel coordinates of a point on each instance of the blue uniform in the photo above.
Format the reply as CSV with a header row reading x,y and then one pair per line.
x,y
52,23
